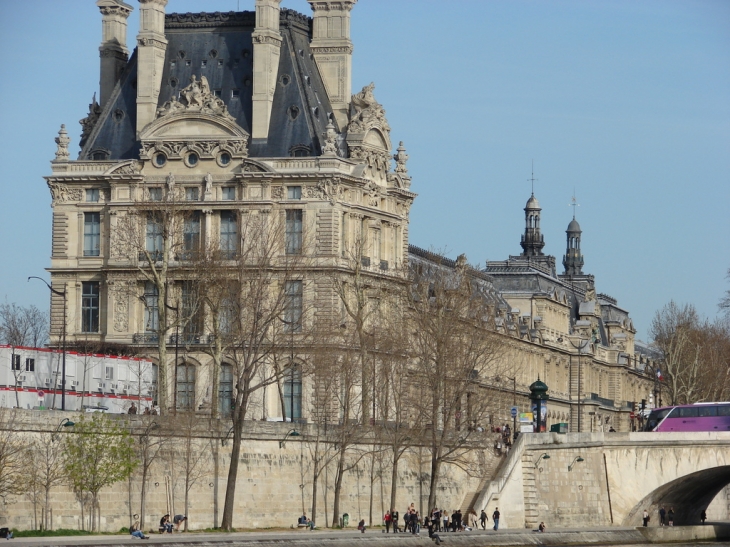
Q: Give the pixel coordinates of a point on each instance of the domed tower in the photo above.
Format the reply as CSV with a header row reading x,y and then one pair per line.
x,y
573,260
532,241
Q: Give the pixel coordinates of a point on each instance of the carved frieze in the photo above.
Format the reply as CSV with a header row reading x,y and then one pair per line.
x,y
277,192
121,309
61,193
127,168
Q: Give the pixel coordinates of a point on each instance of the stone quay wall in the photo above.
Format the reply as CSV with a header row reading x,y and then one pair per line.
x,y
274,483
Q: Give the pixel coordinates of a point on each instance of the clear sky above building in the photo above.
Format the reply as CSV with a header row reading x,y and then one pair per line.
x,y
625,102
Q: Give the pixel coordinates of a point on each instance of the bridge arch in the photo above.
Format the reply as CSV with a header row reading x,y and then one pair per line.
x,y
689,495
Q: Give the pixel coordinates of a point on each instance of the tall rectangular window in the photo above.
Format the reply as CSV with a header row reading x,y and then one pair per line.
x,y
151,307
293,231
30,364
15,362
293,306
225,390
92,234
153,237
191,234
90,306
229,234
228,193
185,387
292,394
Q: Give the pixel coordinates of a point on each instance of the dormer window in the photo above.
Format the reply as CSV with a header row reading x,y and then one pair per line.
x,y
300,151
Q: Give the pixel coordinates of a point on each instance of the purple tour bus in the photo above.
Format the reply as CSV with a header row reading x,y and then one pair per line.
x,y
696,417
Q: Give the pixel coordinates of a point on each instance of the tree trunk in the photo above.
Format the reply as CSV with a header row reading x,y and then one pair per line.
x,y
315,477
142,499
394,481
338,487
372,485
435,471
227,523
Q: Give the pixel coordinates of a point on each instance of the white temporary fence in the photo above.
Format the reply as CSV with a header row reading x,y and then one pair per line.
x,y
31,378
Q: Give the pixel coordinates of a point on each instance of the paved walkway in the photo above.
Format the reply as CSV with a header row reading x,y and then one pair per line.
x,y
346,538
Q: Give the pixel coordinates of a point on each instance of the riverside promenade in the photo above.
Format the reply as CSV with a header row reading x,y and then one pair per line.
x,y
684,535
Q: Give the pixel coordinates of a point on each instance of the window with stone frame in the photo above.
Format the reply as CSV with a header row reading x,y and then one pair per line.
x,y
292,393
294,293
225,390
185,380
90,306
229,234
92,234
191,235
151,308
153,236
294,231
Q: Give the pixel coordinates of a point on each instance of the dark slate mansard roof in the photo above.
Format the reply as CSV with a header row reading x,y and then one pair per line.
x,y
223,42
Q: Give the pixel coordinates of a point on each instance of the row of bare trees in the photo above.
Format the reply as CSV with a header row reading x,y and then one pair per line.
x,y
399,359
695,361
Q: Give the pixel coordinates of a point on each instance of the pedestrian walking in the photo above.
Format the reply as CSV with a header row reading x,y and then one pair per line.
x,y
645,517
495,518
703,516
483,519
387,518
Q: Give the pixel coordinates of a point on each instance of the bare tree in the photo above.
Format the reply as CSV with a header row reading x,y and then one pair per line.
x,y
675,331
46,452
13,449
148,450
160,234
455,349
191,455
22,326
267,316
725,300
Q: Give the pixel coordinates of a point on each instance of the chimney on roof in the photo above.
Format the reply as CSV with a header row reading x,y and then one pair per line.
x,y
113,50
332,51
151,45
266,50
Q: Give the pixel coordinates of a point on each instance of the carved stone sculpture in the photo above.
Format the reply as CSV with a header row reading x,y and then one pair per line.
x,y
61,193
401,158
88,123
208,189
366,112
330,142
170,182
62,141
196,97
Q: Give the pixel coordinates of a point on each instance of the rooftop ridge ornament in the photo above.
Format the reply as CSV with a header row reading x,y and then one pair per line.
x,y
573,203
62,141
532,179
330,142
366,112
196,97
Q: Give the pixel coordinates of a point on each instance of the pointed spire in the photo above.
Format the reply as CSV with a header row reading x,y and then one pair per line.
x,y
573,260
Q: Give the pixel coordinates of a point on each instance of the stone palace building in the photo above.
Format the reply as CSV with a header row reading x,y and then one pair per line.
x,y
248,114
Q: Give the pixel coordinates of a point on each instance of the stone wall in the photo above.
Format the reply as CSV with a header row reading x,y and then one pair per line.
x,y
274,482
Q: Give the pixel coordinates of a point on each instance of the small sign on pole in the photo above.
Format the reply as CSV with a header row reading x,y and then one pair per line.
x,y
514,410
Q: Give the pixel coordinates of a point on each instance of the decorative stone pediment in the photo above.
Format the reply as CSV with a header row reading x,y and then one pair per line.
x,y
131,167
183,131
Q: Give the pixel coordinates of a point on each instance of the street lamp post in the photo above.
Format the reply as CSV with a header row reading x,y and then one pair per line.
x,y
63,343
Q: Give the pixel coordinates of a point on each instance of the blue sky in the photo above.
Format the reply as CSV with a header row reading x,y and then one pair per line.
x,y
627,102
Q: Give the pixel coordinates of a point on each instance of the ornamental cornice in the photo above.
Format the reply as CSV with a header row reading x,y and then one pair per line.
x,y
217,19
332,49
155,42
118,9
270,39
113,50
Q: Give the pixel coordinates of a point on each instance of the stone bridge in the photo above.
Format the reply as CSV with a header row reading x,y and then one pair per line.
x,y
603,479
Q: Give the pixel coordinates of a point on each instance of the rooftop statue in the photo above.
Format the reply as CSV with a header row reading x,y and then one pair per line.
x,y
196,97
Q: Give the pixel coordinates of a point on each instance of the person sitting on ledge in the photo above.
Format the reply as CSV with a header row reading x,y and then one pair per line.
x,y
541,528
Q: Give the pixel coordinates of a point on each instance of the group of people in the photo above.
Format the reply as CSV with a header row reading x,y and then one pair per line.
x,y
166,525
438,521
148,411
666,518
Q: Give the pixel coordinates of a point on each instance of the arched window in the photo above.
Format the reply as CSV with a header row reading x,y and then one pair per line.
x,y
293,393
185,387
225,391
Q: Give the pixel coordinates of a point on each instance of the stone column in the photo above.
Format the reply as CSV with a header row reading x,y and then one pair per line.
x,y
113,50
266,50
151,45
332,51
207,228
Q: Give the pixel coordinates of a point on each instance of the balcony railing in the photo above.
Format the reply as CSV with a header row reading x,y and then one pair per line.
x,y
145,338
